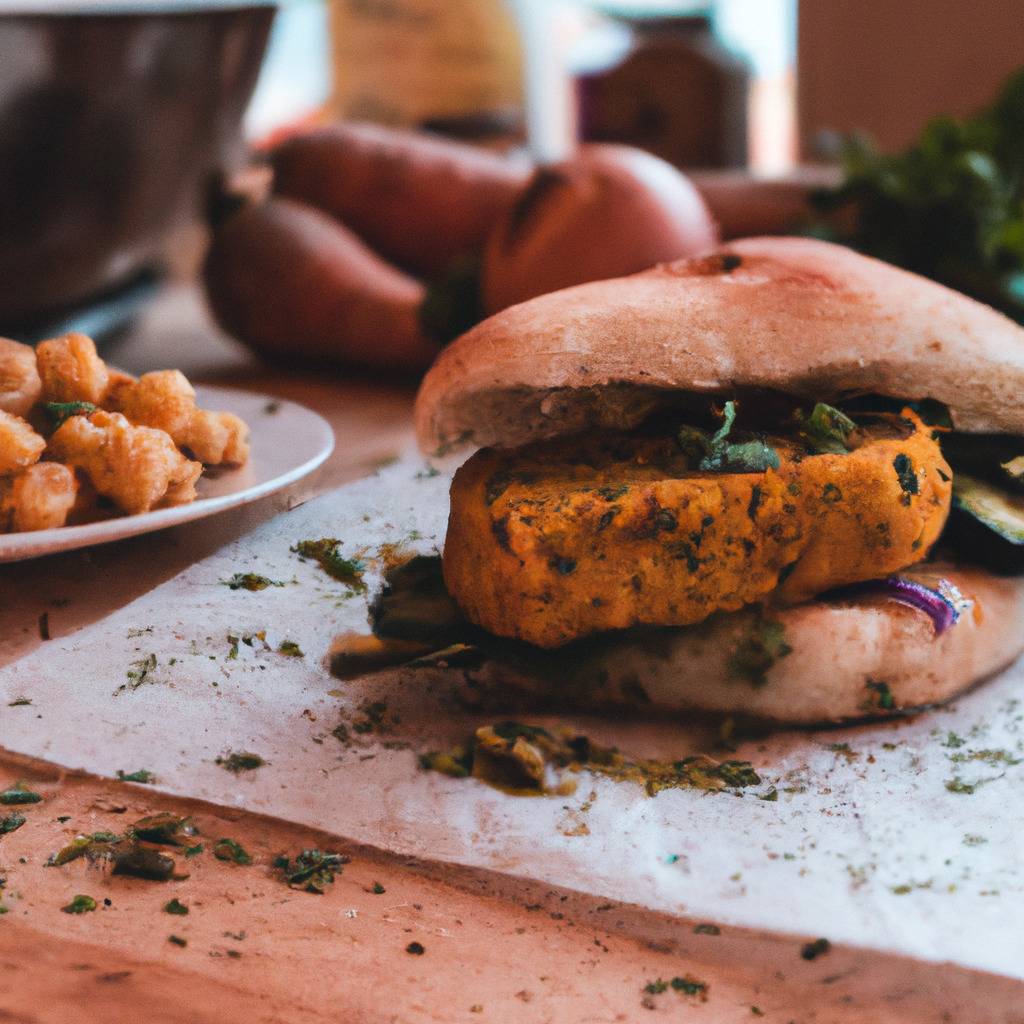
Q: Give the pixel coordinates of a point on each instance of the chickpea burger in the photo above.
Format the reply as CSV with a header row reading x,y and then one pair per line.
x,y
781,479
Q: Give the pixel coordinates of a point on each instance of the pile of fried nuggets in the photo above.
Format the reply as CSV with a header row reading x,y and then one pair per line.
x,y
79,441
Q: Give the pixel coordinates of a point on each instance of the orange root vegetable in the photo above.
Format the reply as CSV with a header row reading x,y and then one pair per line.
x,y
419,200
291,282
606,212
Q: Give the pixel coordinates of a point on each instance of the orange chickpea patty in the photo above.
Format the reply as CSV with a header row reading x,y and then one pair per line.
x,y
565,538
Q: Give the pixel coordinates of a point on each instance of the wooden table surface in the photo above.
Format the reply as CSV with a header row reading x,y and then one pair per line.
x,y
391,939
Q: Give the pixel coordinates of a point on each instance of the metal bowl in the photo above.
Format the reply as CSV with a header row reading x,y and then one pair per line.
x,y
113,121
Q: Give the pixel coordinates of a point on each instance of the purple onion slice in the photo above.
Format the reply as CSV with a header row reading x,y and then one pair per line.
x,y
940,599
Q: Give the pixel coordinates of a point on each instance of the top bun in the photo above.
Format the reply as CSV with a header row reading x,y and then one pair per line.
x,y
795,315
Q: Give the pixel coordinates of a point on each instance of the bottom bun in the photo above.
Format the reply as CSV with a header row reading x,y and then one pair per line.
x,y
824,661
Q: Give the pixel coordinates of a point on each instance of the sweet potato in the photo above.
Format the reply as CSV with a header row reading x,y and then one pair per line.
x,y
291,282
419,200
606,212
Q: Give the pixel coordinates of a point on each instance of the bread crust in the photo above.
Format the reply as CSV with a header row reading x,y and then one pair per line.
x,y
793,314
847,660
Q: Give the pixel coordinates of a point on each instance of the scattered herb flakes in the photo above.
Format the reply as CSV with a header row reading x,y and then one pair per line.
x,y
250,581
992,758
11,823
844,750
757,1011
194,851
4,909
80,905
238,761
140,672
909,887
311,870
828,430
525,758
416,948
249,639
755,654
953,741
957,785
971,839
371,717
327,554
228,849
162,828
290,649
20,702
378,889
706,929
61,411
19,794
812,950
687,985
142,775
177,940
880,696
428,472
175,906
96,846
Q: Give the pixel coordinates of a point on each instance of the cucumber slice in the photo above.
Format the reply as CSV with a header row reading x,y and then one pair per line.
x,y
1001,512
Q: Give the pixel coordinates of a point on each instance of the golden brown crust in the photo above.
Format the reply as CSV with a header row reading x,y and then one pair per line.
x,y
867,658
568,538
793,314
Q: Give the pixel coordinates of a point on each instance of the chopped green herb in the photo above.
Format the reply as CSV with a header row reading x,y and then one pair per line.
x,y
194,851
239,761
378,889
757,1011
228,849
250,581
828,430
311,870
143,776
882,695
61,411
326,552
162,828
290,649
953,741
19,702
812,950
177,940
11,823
756,653
971,839
690,986
706,929
80,905
19,794
416,948
175,906
716,454
655,988
141,671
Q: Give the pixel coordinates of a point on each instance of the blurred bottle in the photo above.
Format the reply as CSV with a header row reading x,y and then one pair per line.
x,y
678,93
452,66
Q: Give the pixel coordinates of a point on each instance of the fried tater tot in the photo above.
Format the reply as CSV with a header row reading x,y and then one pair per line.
x,y
20,386
217,438
71,371
163,399
117,381
138,468
20,445
38,498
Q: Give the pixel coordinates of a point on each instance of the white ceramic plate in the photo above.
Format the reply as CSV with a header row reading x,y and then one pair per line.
x,y
288,442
